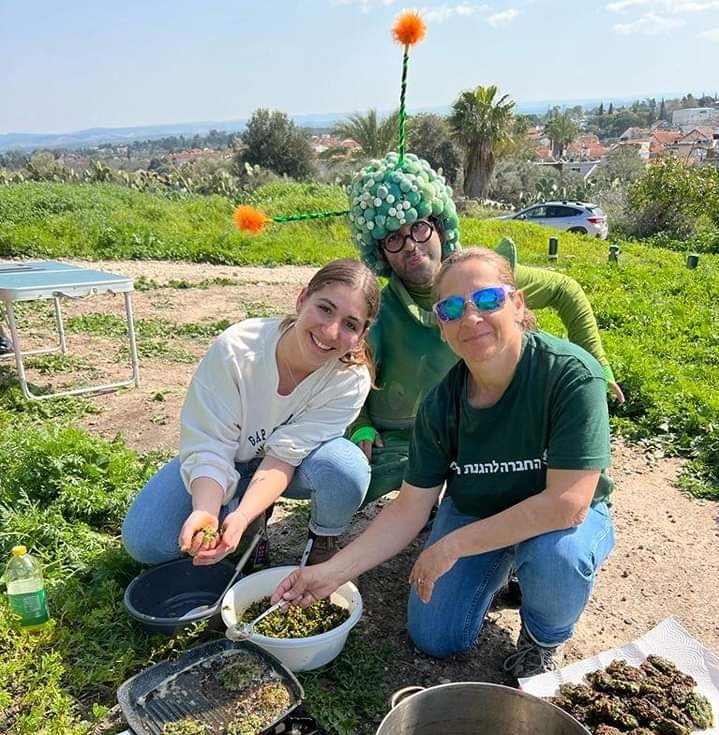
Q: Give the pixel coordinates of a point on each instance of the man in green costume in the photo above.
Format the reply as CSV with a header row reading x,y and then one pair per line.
x,y
405,223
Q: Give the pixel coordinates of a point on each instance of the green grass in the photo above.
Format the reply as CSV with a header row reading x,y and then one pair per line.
x,y
59,363
150,284
158,339
99,221
347,695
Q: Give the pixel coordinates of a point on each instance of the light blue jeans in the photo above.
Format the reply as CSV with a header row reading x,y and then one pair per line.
x,y
334,477
556,574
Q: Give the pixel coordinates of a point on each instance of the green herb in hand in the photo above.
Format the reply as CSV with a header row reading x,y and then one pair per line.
x,y
208,534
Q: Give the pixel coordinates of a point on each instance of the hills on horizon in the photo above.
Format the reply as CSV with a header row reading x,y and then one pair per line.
x,y
98,136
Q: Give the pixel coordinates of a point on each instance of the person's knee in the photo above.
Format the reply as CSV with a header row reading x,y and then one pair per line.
x,y
436,642
144,546
136,544
434,637
559,554
341,466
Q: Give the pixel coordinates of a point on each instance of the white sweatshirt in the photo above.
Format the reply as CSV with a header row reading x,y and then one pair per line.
x,y
233,412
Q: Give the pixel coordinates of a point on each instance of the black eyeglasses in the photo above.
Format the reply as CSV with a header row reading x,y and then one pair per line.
x,y
420,231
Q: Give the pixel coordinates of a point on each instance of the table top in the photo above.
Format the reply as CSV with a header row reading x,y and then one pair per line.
x,y
46,279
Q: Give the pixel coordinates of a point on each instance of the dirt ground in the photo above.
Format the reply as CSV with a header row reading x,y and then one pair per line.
x,y
665,561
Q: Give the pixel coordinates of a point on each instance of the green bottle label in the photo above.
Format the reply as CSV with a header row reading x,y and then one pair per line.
x,y
31,607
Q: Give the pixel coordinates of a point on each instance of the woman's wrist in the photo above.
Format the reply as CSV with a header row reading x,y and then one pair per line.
x,y
341,568
451,545
243,516
207,495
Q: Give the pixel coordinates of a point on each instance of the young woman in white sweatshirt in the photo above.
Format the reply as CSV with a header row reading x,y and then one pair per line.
x,y
264,417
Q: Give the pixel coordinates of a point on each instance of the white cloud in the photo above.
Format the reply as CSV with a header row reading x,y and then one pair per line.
x,y
440,13
364,5
712,34
650,24
503,17
674,7
622,4
690,6
467,9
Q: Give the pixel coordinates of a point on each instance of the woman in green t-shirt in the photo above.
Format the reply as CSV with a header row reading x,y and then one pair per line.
x,y
518,433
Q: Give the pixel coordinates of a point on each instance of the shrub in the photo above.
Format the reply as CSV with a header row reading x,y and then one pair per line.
x,y
670,197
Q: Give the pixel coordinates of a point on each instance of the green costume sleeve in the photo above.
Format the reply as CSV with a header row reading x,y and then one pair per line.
x,y
363,420
544,288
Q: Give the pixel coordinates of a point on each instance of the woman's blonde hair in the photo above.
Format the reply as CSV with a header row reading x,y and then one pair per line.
x,y
359,277
504,270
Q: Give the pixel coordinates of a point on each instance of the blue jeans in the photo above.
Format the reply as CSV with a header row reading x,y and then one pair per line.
x,y
556,574
334,477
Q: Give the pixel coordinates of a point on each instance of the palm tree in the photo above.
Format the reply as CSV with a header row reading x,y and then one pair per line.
x,y
375,138
480,123
562,130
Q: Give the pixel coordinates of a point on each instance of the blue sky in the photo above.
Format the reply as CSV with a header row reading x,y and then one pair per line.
x,y
101,63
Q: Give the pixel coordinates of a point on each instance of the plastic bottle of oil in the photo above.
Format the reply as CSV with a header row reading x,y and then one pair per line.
x,y
25,589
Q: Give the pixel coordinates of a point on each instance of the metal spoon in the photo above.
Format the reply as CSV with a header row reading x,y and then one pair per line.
x,y
204,609
240,631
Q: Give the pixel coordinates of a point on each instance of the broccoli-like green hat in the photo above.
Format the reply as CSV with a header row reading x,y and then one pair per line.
x,y
387,194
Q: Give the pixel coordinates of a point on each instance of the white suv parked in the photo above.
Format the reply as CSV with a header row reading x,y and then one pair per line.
x,y
580,217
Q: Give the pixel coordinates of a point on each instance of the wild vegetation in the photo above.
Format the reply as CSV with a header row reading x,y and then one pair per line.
x,y
109,221
64,492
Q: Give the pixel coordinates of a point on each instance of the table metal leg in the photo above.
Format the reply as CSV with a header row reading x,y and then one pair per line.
x,y
60,325
19,355
133,342
61,346
15,339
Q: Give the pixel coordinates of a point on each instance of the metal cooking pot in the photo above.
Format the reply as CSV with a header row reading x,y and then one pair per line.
x,y
474,708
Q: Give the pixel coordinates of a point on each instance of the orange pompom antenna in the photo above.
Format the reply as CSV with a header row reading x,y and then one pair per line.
x,y
249,219
409,28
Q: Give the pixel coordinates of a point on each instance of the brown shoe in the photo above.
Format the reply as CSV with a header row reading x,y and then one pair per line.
x,y
323,549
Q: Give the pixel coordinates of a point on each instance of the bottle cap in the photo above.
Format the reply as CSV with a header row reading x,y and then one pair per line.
x,y
19,550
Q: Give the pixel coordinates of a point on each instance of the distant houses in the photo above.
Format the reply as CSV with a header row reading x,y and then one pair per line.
x,y
690,146
696,145
584,168
328,142
690,118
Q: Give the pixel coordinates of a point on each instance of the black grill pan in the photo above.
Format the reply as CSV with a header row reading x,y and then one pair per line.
x,y
172,690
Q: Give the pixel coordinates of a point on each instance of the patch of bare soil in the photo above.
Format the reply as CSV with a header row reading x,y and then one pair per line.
x,y
665,561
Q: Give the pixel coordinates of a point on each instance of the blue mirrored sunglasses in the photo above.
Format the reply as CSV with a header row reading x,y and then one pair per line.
x,y
485,300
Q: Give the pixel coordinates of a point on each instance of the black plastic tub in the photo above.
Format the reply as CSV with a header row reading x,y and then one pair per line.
x,y
159,597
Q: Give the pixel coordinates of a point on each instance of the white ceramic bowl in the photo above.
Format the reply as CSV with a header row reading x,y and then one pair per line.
x,y
298,654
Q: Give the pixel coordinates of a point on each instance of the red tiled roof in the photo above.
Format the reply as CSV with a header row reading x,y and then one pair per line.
x,y
666,137
699,134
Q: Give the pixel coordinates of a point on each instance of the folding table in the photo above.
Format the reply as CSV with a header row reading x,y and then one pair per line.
x,y
51,279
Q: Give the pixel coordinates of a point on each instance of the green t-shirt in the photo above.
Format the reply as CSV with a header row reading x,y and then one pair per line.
x,y
553,414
